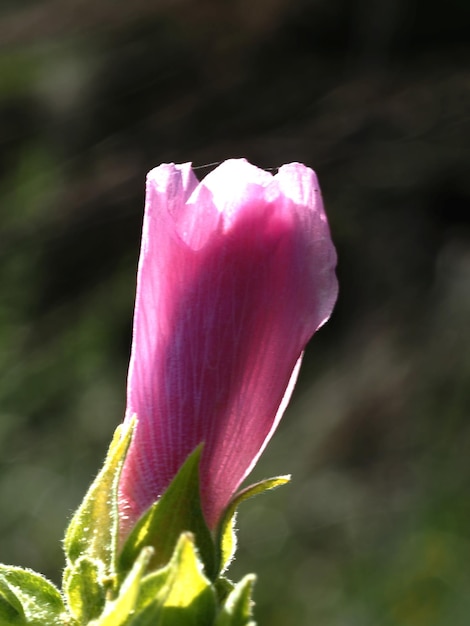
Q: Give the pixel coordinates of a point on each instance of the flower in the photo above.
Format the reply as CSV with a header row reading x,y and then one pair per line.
x,y
235,275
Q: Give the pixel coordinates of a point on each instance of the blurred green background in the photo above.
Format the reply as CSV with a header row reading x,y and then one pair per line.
x,y
375,96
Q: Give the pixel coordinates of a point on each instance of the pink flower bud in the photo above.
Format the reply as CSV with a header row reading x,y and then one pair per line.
x,y
235,275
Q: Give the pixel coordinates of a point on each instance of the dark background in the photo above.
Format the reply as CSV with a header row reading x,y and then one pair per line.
x,y
374,528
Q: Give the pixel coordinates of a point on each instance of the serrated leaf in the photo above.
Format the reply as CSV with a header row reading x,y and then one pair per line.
x,y
177,511
182,594
85,589
119,611
27,598
236,610
226,542
93,529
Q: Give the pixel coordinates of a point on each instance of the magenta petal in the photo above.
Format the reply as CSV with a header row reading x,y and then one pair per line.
x,y
235,276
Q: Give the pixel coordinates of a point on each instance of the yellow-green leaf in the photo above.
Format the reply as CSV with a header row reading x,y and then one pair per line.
x,y
236,610
27,598
183,594
93,529
226,542
119,612
177,511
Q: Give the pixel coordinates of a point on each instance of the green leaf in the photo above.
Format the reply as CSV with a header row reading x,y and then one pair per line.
x,y
117,611
236,610
179,594
91,538
152,587
177,511
93,529
226,537
85,588
27,598
223,587
11,609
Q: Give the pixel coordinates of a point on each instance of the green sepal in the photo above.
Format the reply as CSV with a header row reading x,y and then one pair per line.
x,y
236,610
93,529
91,539
226,537
118,611
85,586
177,511
27,598
223,587
179,594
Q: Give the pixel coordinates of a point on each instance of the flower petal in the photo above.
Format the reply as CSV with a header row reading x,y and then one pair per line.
x,y
235,276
